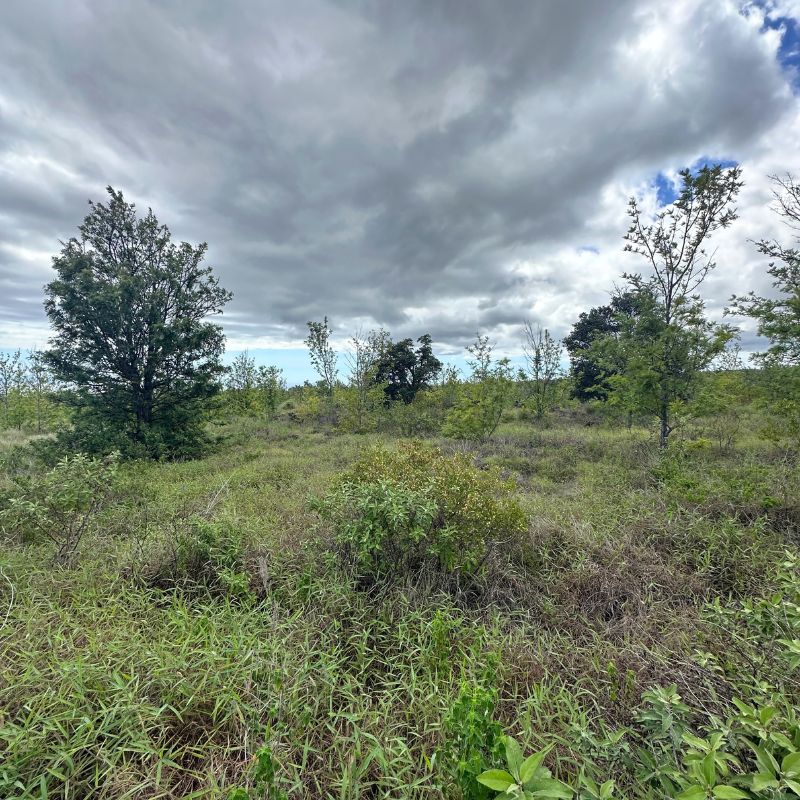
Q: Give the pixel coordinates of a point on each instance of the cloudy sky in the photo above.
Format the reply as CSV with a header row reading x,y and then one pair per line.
x,y
426,165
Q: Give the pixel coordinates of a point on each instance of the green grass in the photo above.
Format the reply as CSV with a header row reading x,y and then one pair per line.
x,y
110,687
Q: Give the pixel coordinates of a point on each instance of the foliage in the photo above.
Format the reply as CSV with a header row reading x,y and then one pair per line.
x,y
543,357
477,413
397,512
61,504
590,377
323,356
473,739
779,317
673,245
527,778
129,313
404,370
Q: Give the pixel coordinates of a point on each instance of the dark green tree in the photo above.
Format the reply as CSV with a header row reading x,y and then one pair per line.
x,y
590,378
131,336
404,369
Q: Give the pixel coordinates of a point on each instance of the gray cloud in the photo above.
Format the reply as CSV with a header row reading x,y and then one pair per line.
x,y
428,166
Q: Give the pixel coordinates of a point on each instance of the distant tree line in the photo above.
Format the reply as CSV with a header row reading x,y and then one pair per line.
x,y
135,359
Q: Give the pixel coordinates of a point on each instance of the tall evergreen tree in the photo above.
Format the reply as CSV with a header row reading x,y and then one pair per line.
x,y
129,311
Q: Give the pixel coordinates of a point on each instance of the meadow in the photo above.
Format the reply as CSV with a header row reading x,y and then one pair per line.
x,y
215,632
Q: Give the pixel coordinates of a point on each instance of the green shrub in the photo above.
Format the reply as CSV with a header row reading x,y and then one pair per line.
x,y
61,504
395,512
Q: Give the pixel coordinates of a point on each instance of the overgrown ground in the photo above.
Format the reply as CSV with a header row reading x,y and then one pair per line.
x,y
124,675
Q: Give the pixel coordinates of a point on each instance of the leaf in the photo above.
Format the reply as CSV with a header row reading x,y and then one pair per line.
x,y
607,789
550,787
729,793
766,760
497,779
794,786
692,793
790,766
763,780
709,770
531,764
513,756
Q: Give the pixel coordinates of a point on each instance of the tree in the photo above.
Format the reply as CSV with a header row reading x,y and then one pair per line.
x,y
778,317
42,385
241,381
405,370
363,358
129,311
271,382
323,356
480,408
543,357
673,245
12,375
590,378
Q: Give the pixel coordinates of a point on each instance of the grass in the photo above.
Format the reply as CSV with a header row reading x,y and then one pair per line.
x,y
114,685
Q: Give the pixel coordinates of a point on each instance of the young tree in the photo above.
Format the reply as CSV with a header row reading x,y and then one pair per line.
x,y
543,357
405,370
778,317
42,385
480,408
673,245
241,380
129,311
363,358
272,385
12,375
323,356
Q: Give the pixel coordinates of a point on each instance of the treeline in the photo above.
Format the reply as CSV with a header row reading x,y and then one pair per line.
x,y
28,393
135,347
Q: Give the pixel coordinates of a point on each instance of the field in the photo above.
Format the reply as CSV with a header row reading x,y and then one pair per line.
x,y
208,633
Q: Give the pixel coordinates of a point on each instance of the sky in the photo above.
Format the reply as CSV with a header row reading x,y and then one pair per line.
x,y
429,166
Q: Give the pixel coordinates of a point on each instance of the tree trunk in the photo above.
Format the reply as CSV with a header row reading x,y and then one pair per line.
x,y
663,414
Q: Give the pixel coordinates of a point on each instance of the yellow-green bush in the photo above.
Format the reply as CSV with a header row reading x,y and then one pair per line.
x,y
399,510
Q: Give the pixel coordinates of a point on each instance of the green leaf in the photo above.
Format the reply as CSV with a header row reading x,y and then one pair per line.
x,y
692,793
709,770
531,764
607,790
766,761
550,787
513,756
497,779
790,766
794,786
764,780
729,793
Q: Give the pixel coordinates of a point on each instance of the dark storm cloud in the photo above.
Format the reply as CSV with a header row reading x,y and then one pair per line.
x,y
388,162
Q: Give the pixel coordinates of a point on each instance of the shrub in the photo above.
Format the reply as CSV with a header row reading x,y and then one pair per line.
x,y
61,504
395,512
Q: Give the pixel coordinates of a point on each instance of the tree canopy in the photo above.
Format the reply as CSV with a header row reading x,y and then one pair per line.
x,y
129,310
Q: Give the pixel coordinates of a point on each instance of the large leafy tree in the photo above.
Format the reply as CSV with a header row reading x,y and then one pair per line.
x,y
405,369
131,335
673,244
